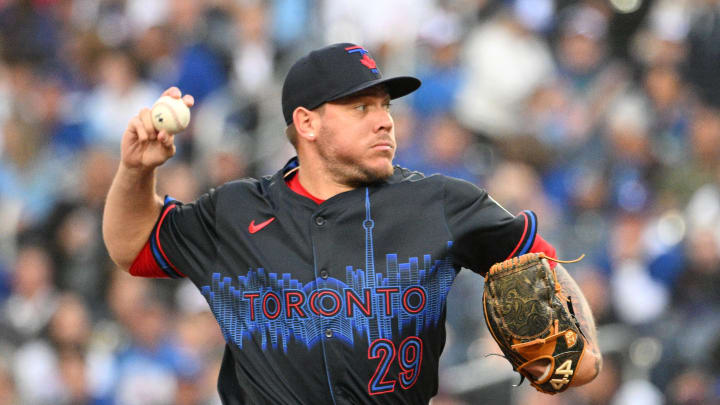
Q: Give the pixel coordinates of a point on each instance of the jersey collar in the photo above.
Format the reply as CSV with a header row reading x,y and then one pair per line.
x,y
290,169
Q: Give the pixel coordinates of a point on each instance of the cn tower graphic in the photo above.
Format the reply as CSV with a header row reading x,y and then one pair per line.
x,y
368,225
274,309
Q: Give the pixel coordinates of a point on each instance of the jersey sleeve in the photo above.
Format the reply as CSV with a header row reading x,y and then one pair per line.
x,y
183,241
483,232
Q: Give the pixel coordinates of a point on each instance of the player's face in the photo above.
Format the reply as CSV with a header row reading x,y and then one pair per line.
x,y
357,137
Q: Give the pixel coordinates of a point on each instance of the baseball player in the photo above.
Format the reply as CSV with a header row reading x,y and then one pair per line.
x,y
329,278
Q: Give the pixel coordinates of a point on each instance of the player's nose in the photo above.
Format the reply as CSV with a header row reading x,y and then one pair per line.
x,y
383,121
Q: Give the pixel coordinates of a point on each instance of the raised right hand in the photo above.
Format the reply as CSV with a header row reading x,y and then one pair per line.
x,y
142,146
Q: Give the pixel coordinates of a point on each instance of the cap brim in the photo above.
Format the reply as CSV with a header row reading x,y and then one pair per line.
x,y
396,87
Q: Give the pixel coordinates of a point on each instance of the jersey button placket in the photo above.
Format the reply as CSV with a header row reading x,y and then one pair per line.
x,y
320,226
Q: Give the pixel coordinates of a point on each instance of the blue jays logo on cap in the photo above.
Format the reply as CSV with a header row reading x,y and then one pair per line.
x,y
366,59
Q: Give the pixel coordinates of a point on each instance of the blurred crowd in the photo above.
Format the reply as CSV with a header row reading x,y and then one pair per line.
x,y
601,116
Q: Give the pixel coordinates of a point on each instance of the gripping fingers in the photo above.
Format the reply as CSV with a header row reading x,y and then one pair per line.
x,y
188,100
166,139
146,118
137,126
172,92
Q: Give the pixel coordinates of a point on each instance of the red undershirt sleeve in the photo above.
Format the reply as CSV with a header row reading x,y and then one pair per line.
x,y
145,264
152,261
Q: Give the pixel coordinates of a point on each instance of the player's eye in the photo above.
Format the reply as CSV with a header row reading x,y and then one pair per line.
x,y
361,107
387,106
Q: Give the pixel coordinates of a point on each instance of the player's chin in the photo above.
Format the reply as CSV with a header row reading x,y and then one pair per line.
x,y
381,163
380,171
371,171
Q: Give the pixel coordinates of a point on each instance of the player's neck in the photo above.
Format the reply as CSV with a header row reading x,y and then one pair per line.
x,y
318,181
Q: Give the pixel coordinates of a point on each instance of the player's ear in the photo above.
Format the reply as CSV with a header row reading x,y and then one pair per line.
x,y
305,123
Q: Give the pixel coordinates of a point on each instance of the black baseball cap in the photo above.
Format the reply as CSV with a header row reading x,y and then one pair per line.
x,y
333,72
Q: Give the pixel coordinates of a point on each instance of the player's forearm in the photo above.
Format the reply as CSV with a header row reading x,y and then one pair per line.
x,y
591,363
131,209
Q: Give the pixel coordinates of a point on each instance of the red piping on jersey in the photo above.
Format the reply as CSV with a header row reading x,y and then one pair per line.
x,y
157,240
294,184
539,245
522,238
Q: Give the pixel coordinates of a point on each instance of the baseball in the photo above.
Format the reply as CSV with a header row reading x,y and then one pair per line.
x,y
170,114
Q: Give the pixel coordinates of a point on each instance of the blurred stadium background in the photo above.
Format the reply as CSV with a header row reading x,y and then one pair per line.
x,y
602,116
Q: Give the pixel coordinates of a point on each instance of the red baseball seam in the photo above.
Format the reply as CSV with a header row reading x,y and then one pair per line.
x,y
172,111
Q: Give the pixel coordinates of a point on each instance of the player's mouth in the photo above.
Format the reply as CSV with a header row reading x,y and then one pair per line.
x,y
384,145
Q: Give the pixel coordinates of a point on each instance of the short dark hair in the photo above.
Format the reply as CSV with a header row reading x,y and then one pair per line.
x,y
291,133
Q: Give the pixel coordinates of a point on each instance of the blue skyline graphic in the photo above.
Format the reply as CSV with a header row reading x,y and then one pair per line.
x,y
271,307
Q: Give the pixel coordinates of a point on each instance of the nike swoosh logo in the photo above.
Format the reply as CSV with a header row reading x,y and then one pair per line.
x,y
252,228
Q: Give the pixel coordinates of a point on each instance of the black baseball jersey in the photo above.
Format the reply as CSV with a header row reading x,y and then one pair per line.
x,y
337,303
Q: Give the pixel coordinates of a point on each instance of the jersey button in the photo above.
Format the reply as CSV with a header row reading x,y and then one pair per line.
x,y
319,221
328,333
324,274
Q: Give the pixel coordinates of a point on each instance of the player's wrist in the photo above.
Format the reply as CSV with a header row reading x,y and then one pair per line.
x,y
137,170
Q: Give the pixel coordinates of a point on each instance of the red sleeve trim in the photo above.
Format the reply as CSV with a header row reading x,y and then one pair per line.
x,y
145,264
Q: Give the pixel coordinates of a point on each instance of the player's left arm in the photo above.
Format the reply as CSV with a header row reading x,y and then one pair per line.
x,y
591,362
